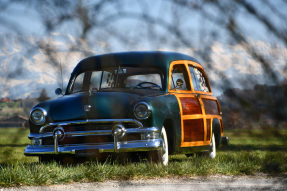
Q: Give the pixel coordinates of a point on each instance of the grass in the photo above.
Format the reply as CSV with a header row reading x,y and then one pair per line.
x,y
250,152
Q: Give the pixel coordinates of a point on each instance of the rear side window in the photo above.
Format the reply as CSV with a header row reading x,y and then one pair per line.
x,y
198,80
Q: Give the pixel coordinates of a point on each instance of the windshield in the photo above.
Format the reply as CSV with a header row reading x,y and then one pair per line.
x,y
123,77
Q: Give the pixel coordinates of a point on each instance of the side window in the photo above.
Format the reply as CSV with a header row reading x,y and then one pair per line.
x,y
179,72
101,80
95,80
108,80
78,84
198,80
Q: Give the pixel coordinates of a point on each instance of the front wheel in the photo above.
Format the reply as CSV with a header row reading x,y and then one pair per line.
x,y
160,155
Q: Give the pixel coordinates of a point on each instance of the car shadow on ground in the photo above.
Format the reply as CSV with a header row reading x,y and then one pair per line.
x,y
250,147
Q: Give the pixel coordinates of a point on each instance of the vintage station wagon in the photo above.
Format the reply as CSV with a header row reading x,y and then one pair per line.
x,y
157,103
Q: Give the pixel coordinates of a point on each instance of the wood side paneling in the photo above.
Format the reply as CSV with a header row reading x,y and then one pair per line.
x,y
190,106
208,128
193,130
210,107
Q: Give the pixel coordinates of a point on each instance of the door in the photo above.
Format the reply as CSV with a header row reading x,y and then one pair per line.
x,y
202,90
193,124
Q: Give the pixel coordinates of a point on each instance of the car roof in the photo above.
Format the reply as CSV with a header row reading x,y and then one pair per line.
x,y
159,59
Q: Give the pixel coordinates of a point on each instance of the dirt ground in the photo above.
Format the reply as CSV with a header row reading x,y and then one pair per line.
x,y
259,182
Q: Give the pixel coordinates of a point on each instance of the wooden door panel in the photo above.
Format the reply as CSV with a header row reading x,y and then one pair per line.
x,y
193,130
190,106
210,106
193,122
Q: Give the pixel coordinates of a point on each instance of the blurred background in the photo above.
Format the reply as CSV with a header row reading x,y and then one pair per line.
x,y
240,43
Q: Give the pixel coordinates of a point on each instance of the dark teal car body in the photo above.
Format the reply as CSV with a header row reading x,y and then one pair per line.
x,y
117,103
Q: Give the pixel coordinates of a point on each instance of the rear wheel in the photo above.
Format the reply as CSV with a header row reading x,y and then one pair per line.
x,y
160,155
211,153
212,147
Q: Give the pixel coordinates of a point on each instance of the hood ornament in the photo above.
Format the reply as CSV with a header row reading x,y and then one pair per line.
x,y
87,108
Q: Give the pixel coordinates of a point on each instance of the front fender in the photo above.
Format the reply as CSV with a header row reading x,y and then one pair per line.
x,y
164,108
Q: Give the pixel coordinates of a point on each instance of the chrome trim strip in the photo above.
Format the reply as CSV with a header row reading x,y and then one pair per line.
x,y
89,133
91,121
145,130
93,133
40,135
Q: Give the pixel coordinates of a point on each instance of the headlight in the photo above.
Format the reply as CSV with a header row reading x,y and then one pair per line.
x,y
38,116
142,110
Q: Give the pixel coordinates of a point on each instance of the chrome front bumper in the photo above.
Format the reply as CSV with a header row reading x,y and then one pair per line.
x,y
127,146
152,140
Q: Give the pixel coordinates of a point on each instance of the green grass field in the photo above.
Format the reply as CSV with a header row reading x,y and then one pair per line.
x,y
249,152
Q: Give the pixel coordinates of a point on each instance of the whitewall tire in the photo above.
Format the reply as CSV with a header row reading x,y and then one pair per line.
x,y
212,147
160,155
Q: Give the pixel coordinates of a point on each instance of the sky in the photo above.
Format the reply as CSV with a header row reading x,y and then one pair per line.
x,y
26,70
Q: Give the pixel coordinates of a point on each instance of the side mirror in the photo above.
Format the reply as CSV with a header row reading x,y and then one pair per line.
x,y
58,91
179,83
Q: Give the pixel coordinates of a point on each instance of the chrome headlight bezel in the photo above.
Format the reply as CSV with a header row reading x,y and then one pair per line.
x,y
40,113
138,110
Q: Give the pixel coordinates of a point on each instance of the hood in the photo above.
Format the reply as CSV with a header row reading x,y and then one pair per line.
x,y
110,105
70,107
104,105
